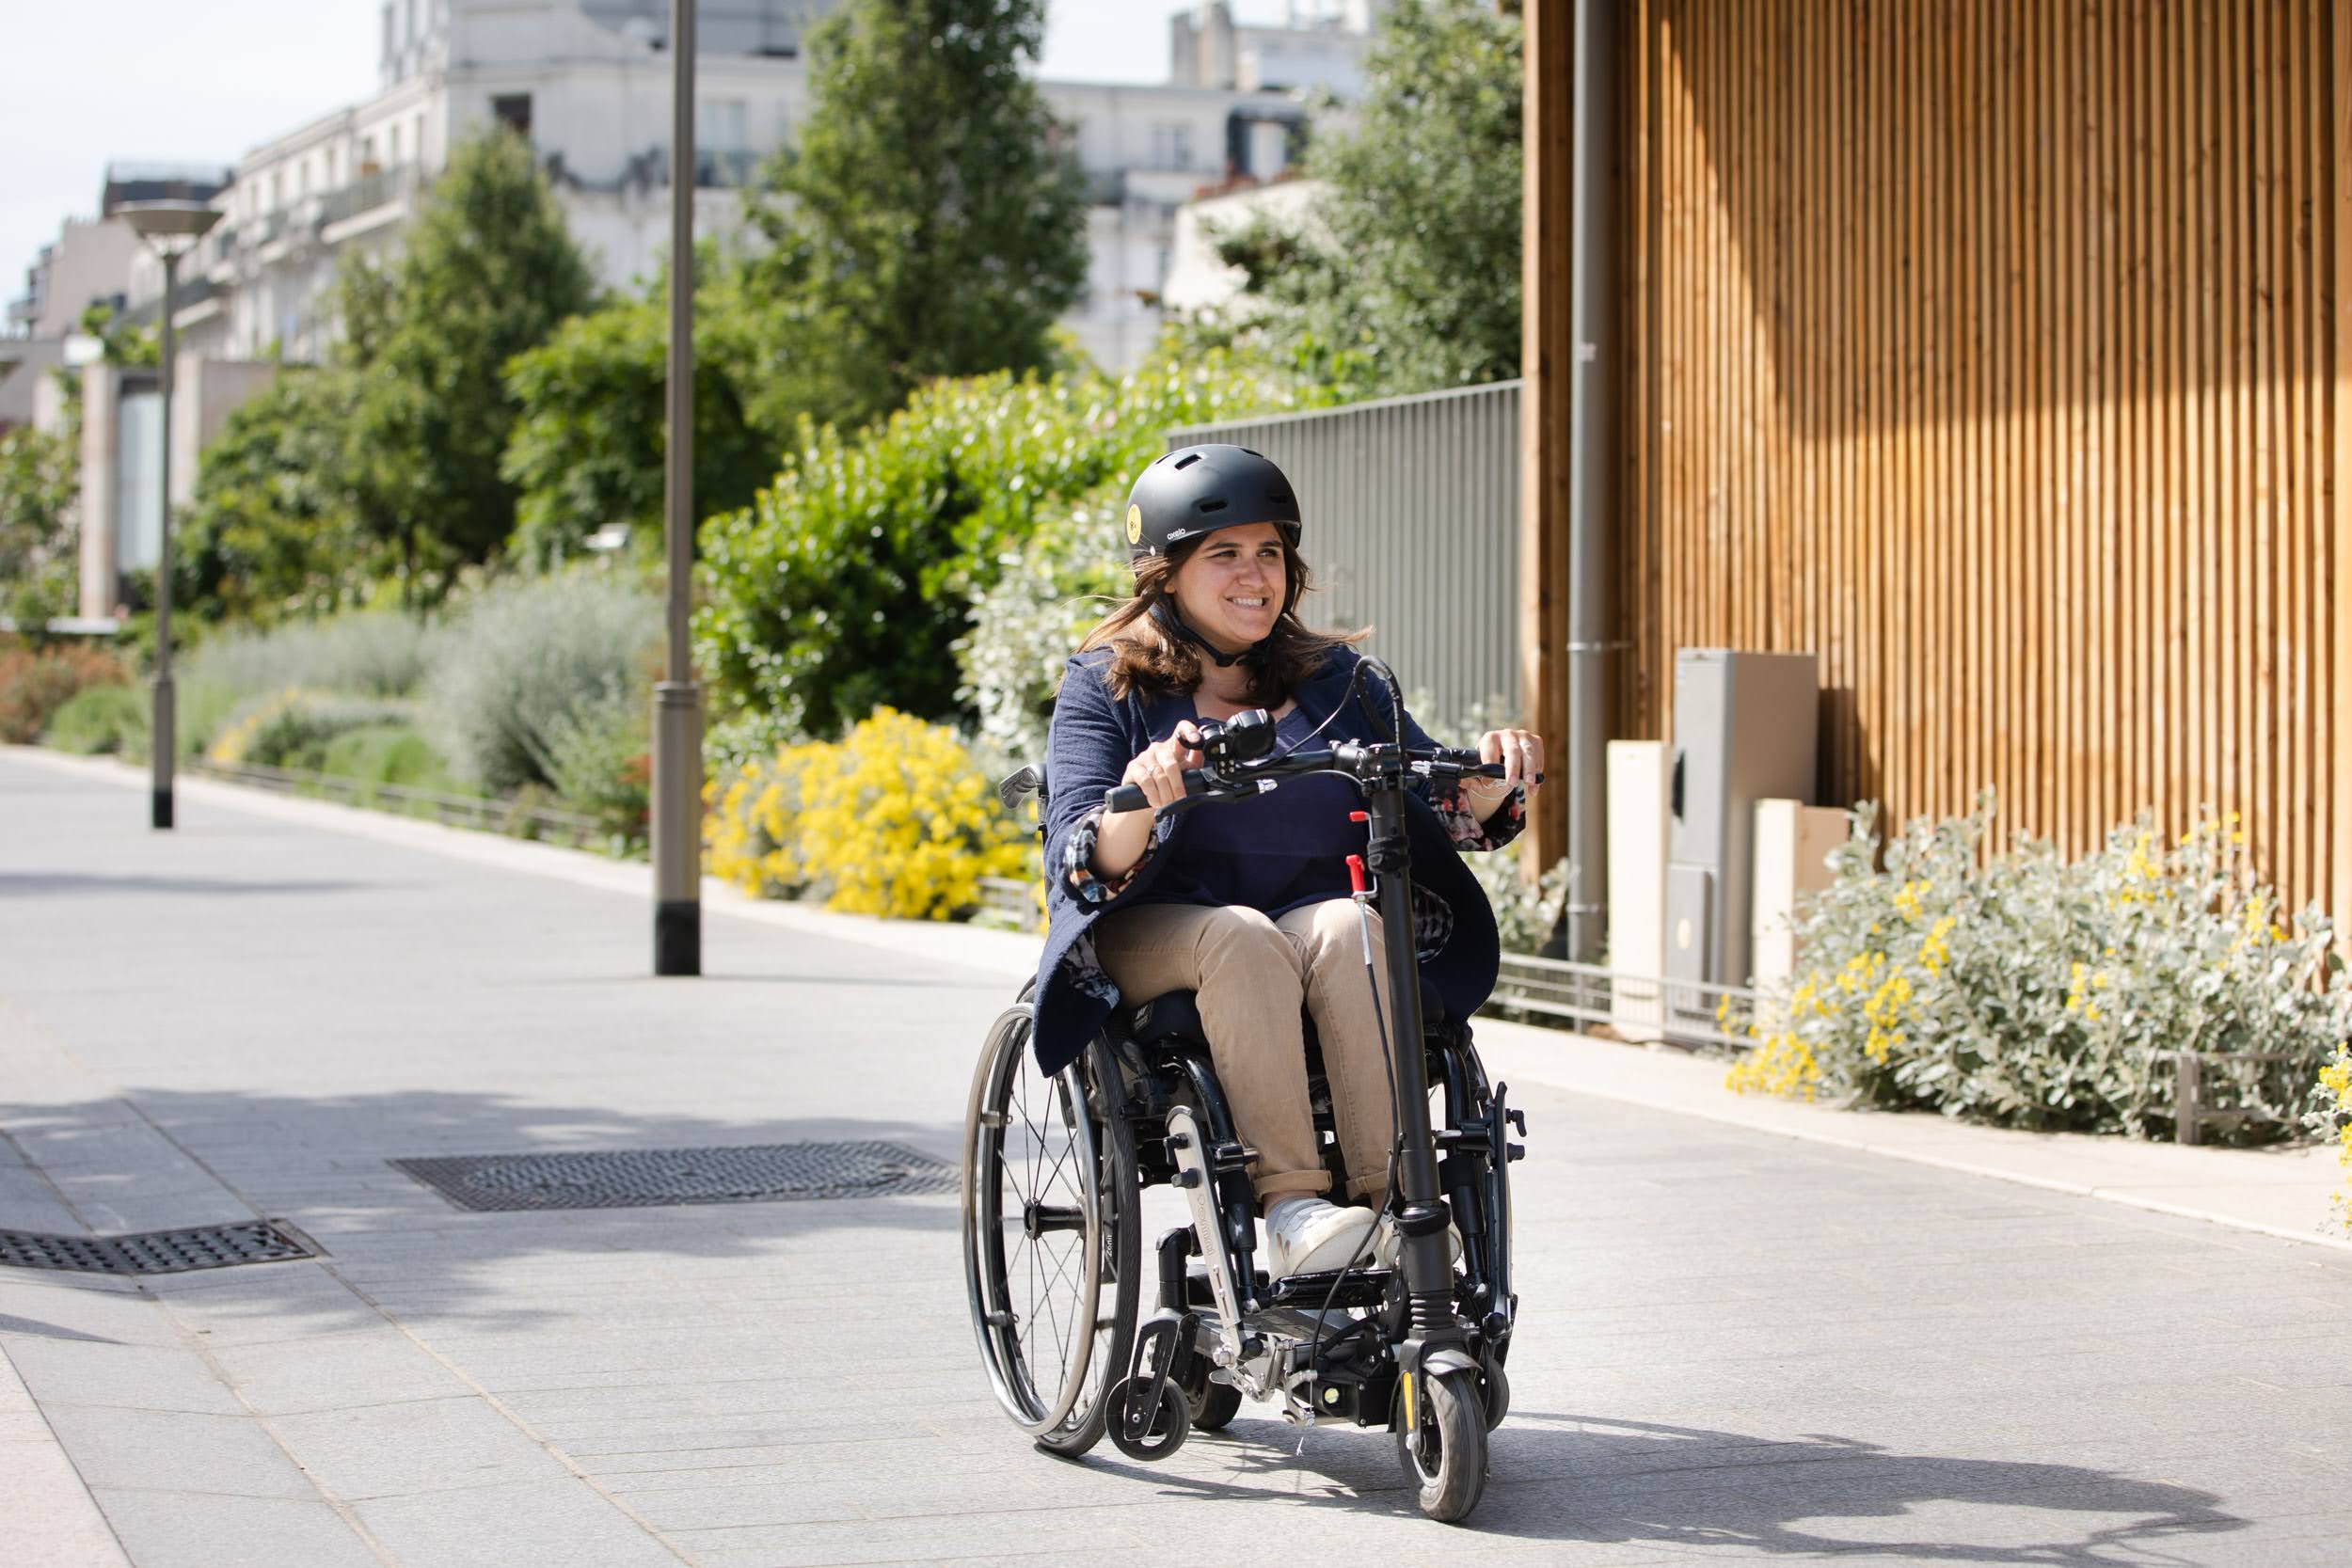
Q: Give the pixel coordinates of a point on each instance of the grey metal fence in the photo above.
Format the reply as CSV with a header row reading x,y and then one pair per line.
x,y
1412,508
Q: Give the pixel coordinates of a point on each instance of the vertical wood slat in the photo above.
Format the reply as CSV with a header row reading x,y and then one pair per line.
x,y
1999,356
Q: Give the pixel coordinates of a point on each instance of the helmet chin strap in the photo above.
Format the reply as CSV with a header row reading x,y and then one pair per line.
x,y
1164,611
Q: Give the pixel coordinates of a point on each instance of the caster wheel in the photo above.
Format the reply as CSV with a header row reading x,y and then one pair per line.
x,y
1213,1405
1443,1446
1170,1425
1495,1395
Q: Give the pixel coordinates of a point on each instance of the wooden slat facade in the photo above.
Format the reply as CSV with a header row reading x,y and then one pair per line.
x,y
1998,353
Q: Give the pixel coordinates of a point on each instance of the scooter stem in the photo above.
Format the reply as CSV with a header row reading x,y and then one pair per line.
x,y
1427,1265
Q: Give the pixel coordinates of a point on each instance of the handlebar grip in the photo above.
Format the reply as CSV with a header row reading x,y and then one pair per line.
x,y
1131,796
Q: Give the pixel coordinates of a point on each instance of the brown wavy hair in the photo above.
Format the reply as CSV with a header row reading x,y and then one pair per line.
x,y
1145,658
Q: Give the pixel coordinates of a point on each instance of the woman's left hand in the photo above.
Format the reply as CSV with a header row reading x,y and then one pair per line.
x,y
1521,753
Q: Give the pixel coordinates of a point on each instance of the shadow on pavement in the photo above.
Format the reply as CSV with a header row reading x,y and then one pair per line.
x,y
322,1163
1592,1479
29,883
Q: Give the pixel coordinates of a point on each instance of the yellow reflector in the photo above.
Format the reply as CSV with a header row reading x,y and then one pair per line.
x,y
1410,1413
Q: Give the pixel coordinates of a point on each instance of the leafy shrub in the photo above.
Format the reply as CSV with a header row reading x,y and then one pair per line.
x,y
293,728
36,682
384,754
526,661
366,654
1027,623
893,820
98,719
2033,992
846,583
1526,914
602,763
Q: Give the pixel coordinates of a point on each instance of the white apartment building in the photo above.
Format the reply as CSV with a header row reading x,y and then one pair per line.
x,y
589,82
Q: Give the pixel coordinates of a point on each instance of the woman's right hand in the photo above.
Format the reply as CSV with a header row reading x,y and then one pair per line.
x,y
1158,769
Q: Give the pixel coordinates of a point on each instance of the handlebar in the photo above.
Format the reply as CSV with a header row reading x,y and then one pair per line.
x,y
1359,761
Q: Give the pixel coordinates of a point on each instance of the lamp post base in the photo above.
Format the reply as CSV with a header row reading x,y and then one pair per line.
x,y
677,937
163,742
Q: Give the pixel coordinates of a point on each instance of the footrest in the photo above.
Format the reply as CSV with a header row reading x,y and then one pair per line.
x,y
1363,1287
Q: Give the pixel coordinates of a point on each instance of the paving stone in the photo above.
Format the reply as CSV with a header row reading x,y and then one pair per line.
x,y
418,1446
284,1377
175,1450
143,1377
562,1522
195,1530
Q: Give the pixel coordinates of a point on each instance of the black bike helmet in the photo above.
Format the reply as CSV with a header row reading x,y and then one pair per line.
x,y
1197,490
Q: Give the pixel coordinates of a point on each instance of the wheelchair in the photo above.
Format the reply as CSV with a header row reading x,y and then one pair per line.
x,y
1056,1169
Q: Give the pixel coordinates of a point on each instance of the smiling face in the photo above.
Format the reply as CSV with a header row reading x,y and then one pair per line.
x,y
1230,589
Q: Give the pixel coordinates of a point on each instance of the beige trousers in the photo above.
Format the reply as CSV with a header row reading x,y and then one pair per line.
x,y
1253,974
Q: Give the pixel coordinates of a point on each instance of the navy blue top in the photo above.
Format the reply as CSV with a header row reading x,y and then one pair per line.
x,y
1280,850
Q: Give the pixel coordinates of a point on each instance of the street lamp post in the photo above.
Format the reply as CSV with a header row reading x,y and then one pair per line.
x,y
172,229
677,727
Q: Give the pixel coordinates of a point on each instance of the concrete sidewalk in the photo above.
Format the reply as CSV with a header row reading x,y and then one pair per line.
x,y
1740,1340
2284,1192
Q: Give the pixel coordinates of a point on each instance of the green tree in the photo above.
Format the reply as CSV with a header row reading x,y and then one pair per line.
x,y
39,478
848,581
119,342
273,528
591,432
485,272
1406,276
924,224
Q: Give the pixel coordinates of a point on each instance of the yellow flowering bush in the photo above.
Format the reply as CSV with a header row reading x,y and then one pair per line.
x,y
291,728
2033,992
893,819
2331,1118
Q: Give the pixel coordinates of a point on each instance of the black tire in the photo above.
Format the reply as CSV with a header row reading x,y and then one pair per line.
x,y
1052,1236
1170,1423
1495,1394
1444,1448
1213,1405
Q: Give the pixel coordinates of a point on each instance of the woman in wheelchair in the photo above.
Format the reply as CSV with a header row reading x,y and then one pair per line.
x,y
1248,903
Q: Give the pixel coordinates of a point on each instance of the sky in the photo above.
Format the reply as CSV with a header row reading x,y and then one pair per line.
x,y
181,82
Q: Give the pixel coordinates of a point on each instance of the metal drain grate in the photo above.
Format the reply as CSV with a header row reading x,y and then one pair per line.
x,y
203,1246
630,1179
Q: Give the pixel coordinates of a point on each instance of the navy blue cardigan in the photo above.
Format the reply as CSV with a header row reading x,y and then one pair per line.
x,y
1095,735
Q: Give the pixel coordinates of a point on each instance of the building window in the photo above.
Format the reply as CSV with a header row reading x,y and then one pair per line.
x,y
725,125
392,138
1171,145
513,110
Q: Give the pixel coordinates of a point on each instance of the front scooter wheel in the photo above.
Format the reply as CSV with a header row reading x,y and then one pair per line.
x,y
1442,1443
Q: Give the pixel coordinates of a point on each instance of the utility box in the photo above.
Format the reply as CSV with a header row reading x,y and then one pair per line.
x,y
1637,887
1744,729
1792,848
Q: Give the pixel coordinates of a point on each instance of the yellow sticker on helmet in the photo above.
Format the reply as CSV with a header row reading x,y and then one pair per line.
x,y
1135,524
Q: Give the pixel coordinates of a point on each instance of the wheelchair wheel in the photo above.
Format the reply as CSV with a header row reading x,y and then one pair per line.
x,y
1052,1236
1443,1447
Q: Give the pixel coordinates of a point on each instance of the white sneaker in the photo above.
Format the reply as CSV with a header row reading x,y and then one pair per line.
x,y
1385,1244
1313,1235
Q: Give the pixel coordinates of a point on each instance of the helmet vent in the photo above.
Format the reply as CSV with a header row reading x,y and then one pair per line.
x,y
1188,460
1212,506
1254,453
1280,497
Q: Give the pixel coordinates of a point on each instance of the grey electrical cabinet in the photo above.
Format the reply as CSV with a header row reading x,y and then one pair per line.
x,y
1744,731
